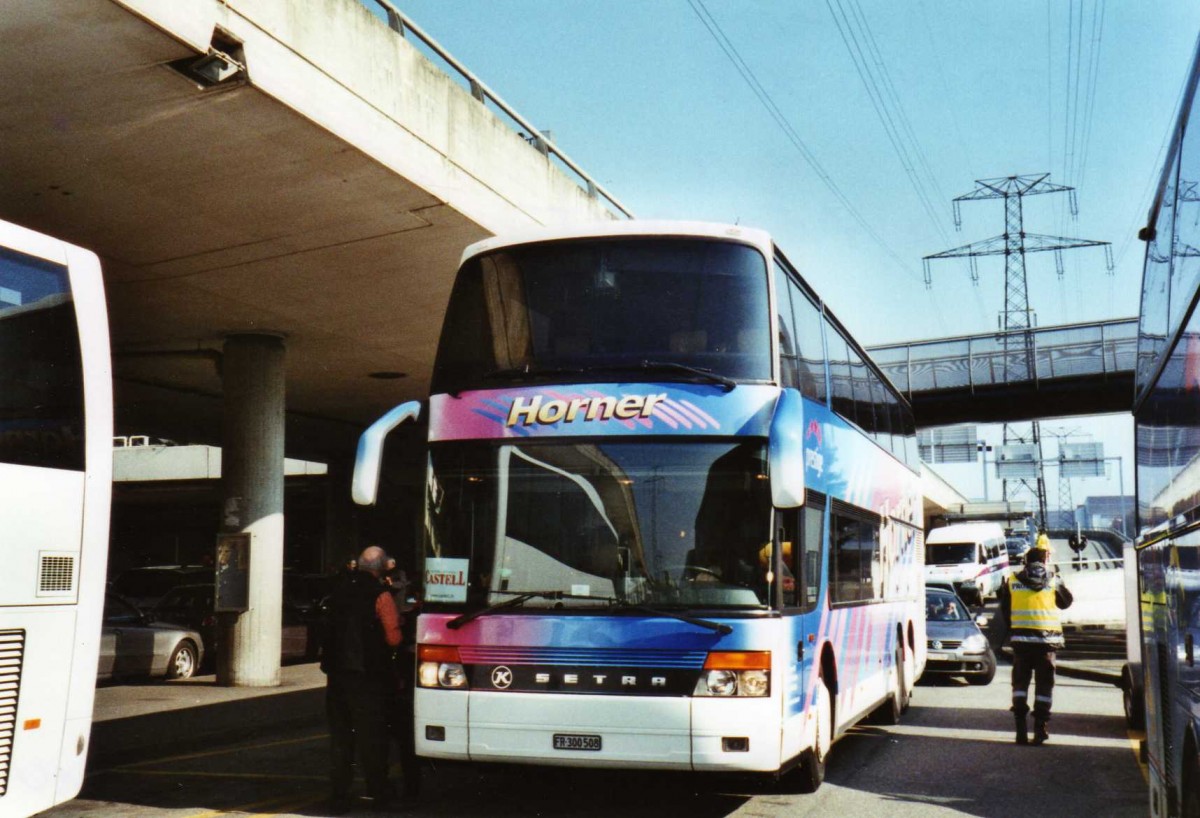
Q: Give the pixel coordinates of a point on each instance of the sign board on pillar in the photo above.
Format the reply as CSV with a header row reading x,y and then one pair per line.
x,y
1081,459
232,573
1017,461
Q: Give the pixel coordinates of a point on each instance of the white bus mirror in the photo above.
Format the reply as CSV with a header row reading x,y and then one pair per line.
x,y
365,485
785,451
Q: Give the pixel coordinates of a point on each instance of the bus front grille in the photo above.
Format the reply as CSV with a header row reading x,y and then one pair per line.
x,y
12,653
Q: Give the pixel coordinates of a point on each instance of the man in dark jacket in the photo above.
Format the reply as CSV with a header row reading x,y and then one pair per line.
x,y
1029,604
362,632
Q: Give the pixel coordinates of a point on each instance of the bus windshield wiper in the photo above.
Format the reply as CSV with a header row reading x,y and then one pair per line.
x,y
670,366
519,599
531,371
624,604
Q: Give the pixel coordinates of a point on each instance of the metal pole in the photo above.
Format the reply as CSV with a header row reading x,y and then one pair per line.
x,y
1121,494
983,461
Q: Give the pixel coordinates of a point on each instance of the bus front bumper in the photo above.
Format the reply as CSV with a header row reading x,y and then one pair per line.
x,y
631,732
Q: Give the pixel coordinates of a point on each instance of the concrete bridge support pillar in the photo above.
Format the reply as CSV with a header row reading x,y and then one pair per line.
x,y
252,485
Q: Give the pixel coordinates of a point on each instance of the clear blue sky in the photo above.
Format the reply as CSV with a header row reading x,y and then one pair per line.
x,y
642,95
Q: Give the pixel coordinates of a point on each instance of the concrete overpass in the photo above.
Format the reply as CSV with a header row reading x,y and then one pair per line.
x,y
279,192
322,191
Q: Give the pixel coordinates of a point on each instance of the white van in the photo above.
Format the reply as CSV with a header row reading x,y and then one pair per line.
x,y
972,556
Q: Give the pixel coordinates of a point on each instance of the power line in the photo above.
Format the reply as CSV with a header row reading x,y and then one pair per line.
x,y
747,74
864,51
1093,77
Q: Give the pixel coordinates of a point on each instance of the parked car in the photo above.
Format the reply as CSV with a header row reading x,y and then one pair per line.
x,y
956,646
131,645
146,586
193,605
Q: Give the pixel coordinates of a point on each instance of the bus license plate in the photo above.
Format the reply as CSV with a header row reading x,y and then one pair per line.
x,y
571,741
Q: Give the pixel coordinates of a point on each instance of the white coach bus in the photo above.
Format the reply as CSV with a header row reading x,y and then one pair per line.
x,y
55,485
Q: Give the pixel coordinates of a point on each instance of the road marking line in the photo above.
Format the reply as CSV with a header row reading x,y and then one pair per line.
x,y
295,805
1004,737
206,774
210,753
279,802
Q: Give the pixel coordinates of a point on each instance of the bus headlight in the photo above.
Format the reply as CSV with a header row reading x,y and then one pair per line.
x,y
440,666
735,673
719,683
754,683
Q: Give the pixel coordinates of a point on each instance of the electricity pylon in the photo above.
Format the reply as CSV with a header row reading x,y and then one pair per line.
x,y
1017,321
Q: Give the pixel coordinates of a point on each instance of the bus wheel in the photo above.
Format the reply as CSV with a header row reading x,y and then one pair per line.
x,y
1135,707
811,770
1191,786
890,711
182,664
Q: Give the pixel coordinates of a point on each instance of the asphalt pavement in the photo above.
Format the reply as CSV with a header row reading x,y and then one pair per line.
x,y
134,721
951,755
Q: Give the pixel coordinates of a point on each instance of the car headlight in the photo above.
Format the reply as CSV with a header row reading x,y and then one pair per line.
x,y
976,643
730,674
440,667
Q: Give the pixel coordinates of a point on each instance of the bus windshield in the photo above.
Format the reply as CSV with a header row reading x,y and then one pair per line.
x,y
603,309
587,525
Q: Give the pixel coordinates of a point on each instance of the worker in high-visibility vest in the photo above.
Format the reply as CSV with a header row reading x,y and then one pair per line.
x,y
1029,604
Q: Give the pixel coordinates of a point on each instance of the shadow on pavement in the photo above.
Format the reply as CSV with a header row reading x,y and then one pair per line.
x,y
170,732
1012,776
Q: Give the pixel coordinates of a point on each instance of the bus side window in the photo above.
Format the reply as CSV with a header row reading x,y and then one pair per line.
x,y
810,553
787,348
789,537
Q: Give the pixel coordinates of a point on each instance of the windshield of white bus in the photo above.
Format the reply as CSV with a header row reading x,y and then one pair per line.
x,y
949,553
41,376
606,309
593,525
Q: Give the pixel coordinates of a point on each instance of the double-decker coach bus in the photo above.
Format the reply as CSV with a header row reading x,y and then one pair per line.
x,y
671,514
1167,423
55,489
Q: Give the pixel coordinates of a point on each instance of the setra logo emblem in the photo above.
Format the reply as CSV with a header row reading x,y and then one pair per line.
x,y
502,677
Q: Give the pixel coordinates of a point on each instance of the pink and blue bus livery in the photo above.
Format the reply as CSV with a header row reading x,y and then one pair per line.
x,y
689,537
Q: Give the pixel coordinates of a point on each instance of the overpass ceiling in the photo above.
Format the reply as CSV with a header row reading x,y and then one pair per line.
x,y
217,211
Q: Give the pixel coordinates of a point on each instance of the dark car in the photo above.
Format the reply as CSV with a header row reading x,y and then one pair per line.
x,y
145,586
956,646
943,585
131,644
192,605
1017,546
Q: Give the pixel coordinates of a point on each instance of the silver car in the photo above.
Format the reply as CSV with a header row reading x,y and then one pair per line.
x,y
133,646
956,646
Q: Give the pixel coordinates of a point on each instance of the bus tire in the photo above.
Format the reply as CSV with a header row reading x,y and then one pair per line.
x,y
893,707
810,772
182,664
1189,795
909,670
1133,701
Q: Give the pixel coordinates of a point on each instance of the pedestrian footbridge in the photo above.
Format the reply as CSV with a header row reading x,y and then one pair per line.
x,y
1059,371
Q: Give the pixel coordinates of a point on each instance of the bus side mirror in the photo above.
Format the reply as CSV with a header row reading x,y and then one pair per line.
x,y
365,485
785,451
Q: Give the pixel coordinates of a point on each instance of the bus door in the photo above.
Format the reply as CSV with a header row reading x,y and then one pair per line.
x,y
801,533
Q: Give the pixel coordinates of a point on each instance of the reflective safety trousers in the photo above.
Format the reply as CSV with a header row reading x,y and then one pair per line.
x,y
1035,617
